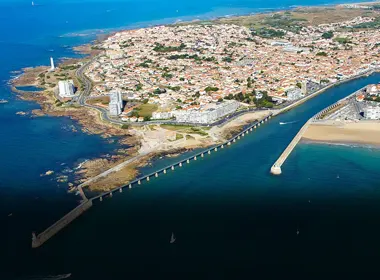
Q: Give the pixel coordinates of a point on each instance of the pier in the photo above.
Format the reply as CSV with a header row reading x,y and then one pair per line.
x,y
44,236
40,239
276,167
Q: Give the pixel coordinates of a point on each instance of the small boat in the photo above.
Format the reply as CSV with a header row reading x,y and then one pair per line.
x,y
298,231
3,101
337,176
172,239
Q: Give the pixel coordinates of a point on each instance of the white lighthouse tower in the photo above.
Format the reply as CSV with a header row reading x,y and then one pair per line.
x,y
52,67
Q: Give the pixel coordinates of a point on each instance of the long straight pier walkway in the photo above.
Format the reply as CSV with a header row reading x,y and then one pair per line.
x,y
44,236
276,167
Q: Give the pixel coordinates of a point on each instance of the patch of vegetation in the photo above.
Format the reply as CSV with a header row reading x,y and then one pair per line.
x,y
285,22
321,54
209,88
227,59
368,25
342,40
164,49
144,110
69,67
125,126
328,35
178,136
265,32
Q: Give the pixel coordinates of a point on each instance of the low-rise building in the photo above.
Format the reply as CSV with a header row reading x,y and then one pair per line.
x,y
294,94
372,112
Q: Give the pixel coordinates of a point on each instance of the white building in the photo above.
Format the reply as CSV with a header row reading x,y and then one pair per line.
x,y
206,116
162,115
114,109
66,89
115,97
294,94
372,112
116,103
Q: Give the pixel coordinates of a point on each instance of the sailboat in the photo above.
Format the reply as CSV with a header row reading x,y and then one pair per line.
x,y
172,239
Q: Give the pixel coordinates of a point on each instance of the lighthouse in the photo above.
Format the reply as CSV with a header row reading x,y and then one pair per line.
x,y
52,67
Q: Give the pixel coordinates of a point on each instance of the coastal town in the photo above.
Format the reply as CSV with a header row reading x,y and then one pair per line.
x,y
168,89
188,71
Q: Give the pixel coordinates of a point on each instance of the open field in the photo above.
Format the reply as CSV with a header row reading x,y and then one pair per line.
x,y
146,110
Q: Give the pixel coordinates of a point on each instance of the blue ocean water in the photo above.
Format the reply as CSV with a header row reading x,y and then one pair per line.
x,y
226,210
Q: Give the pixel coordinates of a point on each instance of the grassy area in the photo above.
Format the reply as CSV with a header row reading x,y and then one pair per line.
x,y
293,20
185,129
146,110
103,100
178,136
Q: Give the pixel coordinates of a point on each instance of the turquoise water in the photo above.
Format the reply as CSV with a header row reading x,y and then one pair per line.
x,y
228,213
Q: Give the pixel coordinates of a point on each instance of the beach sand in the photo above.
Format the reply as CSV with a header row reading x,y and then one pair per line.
x,y
362,132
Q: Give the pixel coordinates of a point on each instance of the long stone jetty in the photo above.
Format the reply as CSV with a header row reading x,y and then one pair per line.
x,y
44,236
276,167
40,239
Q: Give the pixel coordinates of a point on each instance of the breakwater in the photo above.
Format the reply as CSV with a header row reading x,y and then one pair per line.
x,y
44,236
276,167
38,240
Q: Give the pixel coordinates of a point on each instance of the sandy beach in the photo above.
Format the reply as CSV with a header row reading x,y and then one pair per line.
x,y
362,132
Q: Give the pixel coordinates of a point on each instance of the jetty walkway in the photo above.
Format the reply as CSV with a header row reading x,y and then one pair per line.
x,y
276,167
40,239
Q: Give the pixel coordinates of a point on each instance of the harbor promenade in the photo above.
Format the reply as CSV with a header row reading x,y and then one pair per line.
x,y
40,239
